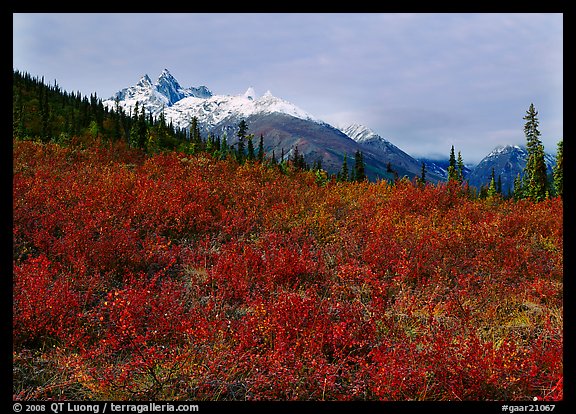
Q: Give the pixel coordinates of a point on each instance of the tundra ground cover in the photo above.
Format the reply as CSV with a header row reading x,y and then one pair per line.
x,y
178,277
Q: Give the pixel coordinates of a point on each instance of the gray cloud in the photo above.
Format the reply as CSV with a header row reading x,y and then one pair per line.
x,y
424,81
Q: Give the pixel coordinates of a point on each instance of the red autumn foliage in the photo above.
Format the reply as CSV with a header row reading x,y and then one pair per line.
x,y
186,277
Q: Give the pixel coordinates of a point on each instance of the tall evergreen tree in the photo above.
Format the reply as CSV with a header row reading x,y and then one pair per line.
x,y
134,130
250,139
423,174
492,186
493,176
241,134
460,168
142,129
492,189
298,159
261,149
558,170
359,166
535,175
195,137
117,119
452,171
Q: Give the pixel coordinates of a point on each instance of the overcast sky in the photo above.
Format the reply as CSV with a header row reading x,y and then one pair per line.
x,y
423,81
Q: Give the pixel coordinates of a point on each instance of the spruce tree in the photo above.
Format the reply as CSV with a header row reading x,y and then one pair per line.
x,y
298,160
209,144
117,115
460,168
251,155
423,174
142,129
195,133
492,187
241,134
452,171
535,179
558,170
359,167
134,130
261,149
296,157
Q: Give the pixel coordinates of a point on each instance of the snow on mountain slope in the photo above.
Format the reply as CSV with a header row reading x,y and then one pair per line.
x,y
218,108
361,133
398,159
180,105
507,161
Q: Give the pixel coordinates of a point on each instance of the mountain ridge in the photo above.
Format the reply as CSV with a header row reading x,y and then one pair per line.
x,y
283,125
508,161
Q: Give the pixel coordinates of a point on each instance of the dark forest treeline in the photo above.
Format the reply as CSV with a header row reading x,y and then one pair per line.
x,y
48,113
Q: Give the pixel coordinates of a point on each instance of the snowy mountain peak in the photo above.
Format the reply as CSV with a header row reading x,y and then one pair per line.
x,y
144,81
168,86
167,78
250,93
505,149
181,104
164,93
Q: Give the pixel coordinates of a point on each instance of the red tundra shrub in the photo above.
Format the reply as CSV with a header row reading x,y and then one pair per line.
x,y
172,276
46,305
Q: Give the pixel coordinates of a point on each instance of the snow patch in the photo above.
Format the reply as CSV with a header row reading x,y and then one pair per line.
x,y
361,133
250,93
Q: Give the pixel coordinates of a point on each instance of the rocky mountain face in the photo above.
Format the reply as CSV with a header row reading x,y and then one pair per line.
x,y
282,124
163,93
508,161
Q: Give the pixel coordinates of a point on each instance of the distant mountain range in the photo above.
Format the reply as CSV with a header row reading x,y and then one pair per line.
x,y
507,161
284,126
